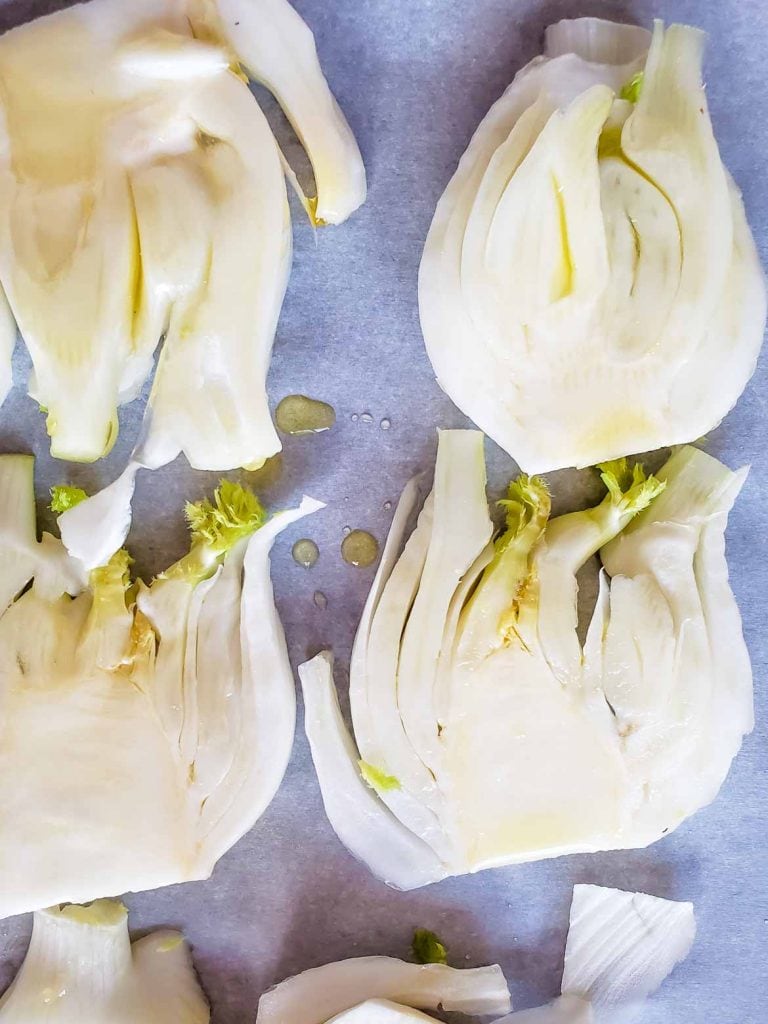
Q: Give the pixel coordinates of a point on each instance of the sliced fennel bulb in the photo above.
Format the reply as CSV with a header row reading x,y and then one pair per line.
x,y
589,287
82,967
144,728
620,948
500,736
143,196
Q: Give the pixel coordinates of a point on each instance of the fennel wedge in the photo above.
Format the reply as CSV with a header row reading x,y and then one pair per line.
x,y
589,287
143,196
143,728
485,732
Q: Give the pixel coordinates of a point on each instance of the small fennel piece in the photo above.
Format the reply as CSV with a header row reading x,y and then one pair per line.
x,y
620,948
622,945
117,121
509,738
317,996
190,670
589,286
82,966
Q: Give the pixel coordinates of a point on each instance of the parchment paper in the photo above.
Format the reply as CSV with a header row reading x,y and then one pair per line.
x,y
415,77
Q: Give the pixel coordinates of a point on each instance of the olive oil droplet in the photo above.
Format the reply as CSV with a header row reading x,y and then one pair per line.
x,y
297,414
366,418
305,552
359,548
320,600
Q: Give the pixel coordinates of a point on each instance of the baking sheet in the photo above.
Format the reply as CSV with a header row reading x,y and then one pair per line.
x,y
414,78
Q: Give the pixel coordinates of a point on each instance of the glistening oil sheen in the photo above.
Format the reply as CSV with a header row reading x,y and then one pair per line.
x,y
359,548
298,414
305,552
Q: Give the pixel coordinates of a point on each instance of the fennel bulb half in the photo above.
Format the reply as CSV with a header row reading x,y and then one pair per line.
x,y
620,948
143,196
485,733
82,968
589,287
143,729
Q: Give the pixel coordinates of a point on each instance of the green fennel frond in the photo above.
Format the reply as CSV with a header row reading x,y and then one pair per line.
x,y
376,778
64,497
427,948
526,497
235,513
631,90
629,488
216,527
